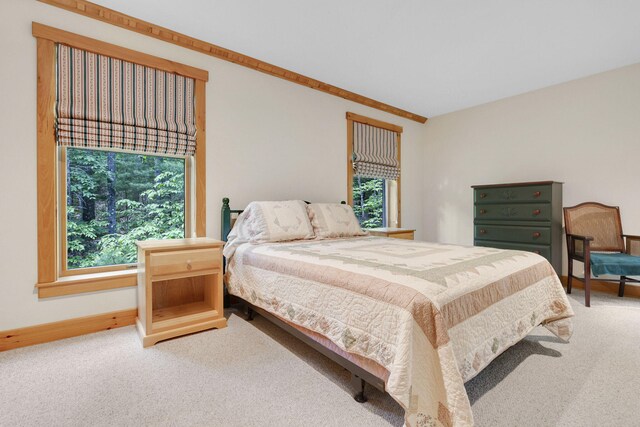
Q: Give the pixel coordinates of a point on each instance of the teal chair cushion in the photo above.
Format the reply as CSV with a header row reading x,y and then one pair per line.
x,y
616,264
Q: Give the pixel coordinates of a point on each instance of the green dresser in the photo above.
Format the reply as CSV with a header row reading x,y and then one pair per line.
x,y
524,216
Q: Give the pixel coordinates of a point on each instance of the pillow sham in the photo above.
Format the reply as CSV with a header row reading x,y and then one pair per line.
x,y
277,221
263,222
333,220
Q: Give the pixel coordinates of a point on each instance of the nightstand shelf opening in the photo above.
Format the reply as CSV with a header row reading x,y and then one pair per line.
x,y
181,314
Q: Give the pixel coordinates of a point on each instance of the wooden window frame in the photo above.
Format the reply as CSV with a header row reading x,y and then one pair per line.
x,y
351,118
53,280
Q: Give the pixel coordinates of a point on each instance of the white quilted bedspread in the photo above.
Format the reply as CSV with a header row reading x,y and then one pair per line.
x,y
432,315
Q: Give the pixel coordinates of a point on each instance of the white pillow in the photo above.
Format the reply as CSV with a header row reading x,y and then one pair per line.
x,y
334,220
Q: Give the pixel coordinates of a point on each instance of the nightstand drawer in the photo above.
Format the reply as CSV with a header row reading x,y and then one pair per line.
x,y
506,233
179,262
407,236
393,232
514,212
522,194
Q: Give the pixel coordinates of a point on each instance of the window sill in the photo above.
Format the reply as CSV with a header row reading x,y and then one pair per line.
x,y
93,282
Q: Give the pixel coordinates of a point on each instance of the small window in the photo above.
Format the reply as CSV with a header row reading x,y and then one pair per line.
x,y
114,199
373,170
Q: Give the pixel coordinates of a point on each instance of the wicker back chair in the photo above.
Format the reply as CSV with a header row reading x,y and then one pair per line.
x,y
594,237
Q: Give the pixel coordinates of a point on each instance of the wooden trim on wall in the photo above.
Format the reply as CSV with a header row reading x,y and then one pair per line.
x,y
399,180
110,16
62,201
349,161
189,197
47,332
56,35
373,122
607,287
201,160
94,282
46,144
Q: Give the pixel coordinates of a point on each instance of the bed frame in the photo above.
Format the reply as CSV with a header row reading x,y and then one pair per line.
x,y
359,376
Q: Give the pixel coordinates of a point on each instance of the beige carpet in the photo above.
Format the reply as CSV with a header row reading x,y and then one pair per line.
x,y
253,374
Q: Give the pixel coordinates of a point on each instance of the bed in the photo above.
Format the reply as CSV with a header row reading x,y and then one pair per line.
x,y
417,319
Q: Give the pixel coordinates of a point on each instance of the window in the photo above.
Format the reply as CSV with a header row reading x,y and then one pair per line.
x,y
114,199
121,157
375,202
373,170
369,205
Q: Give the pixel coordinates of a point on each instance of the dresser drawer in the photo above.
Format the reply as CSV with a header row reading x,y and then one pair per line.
x,y
179,262
545,251
514,234
518,194
514,212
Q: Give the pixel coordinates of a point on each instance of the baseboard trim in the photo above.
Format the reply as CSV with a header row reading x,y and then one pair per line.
x,y
630,290
47,332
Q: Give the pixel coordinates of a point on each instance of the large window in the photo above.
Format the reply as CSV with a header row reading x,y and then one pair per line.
x,y
373,170
121,158
114,199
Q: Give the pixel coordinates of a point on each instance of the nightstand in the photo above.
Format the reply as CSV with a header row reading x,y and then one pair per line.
x,y
396,233
179,288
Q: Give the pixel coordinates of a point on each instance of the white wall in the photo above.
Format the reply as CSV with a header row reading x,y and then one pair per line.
x,y
585,133
266,139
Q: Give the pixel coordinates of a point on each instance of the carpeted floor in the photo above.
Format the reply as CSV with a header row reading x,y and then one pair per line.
x,y
253,374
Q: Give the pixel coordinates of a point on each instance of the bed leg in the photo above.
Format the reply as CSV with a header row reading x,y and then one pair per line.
x,y
359,383
250,314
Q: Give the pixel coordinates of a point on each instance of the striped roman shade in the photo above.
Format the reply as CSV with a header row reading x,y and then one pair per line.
x,y
375,152
103,102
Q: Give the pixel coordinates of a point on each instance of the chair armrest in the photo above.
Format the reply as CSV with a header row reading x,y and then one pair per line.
x,y
571,246
632,249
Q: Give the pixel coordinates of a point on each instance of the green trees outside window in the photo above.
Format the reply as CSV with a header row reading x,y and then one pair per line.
x,y
369,201
114,199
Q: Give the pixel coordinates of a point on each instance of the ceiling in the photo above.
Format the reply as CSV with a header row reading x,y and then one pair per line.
x,y
425,56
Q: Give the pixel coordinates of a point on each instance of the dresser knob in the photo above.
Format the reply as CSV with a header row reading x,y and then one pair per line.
x,y
536,212
189,267
536,194
482,231
482,211
536,234
483,195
